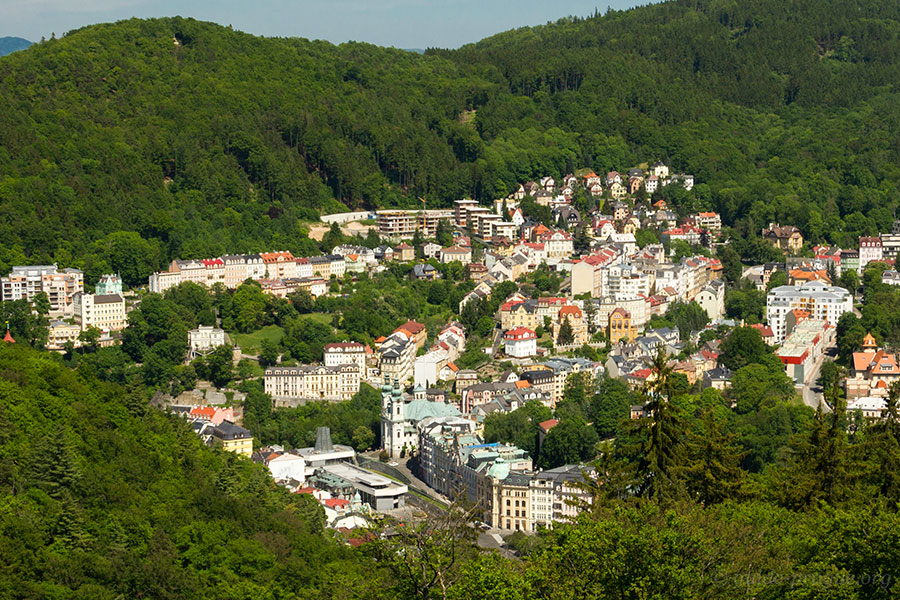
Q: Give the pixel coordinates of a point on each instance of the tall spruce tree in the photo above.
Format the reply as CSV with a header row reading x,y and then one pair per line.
x,y
566,336
713,473
657,452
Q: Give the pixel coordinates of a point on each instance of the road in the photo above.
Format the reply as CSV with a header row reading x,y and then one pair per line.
x,y
810,391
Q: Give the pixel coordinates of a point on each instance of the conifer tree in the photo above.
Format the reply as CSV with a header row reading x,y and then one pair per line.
x,y
566,335
713,473
882,448
657,449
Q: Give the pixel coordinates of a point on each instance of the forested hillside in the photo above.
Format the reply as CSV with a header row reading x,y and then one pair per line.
x,y
204,140
105,497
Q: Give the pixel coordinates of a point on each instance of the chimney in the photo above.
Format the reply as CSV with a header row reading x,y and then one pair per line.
x,y
323,440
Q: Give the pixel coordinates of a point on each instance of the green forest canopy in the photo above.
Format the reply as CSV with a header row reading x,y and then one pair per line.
x,y
205,140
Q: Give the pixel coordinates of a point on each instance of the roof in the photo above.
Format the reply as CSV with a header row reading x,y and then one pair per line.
x,y
107,298
570,310
520,332
548,425
412,327
226,430
336,503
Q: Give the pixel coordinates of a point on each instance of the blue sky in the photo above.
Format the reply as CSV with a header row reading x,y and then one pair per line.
x,y
400,23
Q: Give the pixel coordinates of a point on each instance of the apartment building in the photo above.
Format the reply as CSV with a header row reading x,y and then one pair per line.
x,y
819,300
312,382
405,223
105,312
396,356
25,282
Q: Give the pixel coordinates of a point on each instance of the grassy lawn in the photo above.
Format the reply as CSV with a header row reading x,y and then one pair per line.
x,y
250,343
319,318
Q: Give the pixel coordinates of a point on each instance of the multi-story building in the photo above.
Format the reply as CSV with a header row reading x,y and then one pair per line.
x,y
821,301
557,494
312,382
872,371
620,326
404,223
461,211
870,250
60,332
510,498
456,253
26,282
712,299
232,438
624,280
401,413
396,357
558,244
109,284
106,313
710,221
345,353
575,317
520,342
328,265
279,264
786,238
803,347
204,339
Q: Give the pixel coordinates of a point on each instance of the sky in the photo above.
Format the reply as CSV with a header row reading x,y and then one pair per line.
x,y
398,23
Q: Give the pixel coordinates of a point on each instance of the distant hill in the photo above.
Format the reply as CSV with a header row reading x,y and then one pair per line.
x,y
206,140
9,45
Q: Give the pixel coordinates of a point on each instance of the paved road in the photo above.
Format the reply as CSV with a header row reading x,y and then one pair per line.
x,y
810,391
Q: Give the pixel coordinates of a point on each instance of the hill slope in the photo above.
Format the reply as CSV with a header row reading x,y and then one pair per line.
x,y
204,140
8,45
104,497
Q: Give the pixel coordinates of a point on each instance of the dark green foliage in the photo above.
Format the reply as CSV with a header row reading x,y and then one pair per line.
x,y
519,427
611,405
176,145
105,500
687,317
566,336
742,347
296,427
571,442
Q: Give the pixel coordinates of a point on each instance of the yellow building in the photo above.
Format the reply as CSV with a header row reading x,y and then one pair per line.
x,y
233,438
620,326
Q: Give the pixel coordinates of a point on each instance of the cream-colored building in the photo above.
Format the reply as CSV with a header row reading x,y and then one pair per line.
x,y
312,382
105,312
345,353
61,332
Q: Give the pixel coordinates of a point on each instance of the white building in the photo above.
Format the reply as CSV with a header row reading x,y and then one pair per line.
x,y
870,250
106,313
204,340
428,366
400,413
712,299
520,342
819,300
624,280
